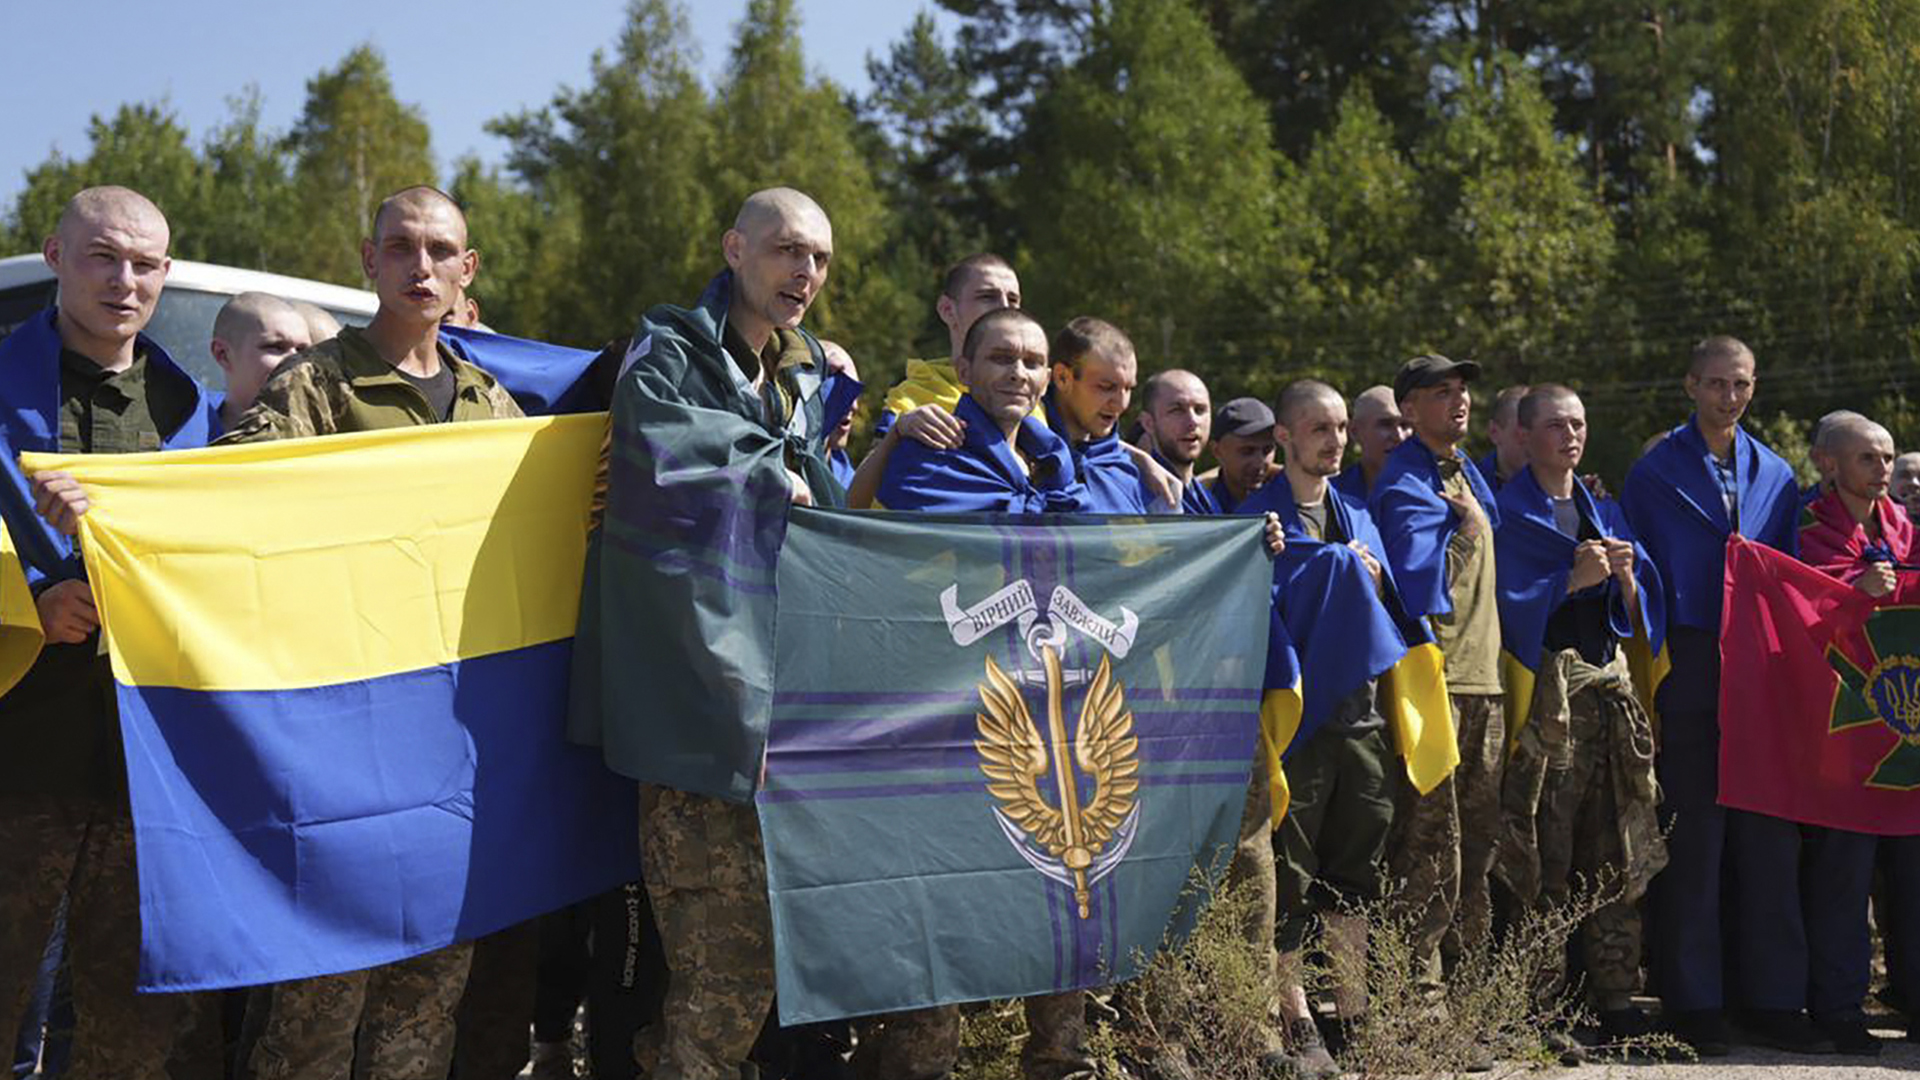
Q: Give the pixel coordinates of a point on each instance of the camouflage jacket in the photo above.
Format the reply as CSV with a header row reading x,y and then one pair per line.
x,y
343,385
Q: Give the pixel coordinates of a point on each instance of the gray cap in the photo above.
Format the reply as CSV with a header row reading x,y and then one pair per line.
x,y
1242,416
1430,370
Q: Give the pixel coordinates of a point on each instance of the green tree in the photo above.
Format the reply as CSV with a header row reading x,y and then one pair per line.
x,y
1302,57
1151,196
140,146
778,126
250,197
1364,224
353,145
1524,248
620,173
923,123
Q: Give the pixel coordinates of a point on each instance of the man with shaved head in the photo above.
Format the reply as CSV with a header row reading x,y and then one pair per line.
x,y
1327,856
1906,482
321,325
1706,480
1378,427
253,333
1856,532
717,413
1177,413
392,373
83,378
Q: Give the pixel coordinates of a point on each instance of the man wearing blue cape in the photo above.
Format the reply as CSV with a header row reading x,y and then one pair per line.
x,y
83,378
1378,427
1437,517
1575,593
717,426
1706,480
1094,370
1331,843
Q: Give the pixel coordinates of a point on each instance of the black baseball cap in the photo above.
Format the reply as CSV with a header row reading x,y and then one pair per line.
x,y
1430,370
1242,416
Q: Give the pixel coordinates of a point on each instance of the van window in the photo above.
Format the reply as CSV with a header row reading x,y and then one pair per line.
x,y
21,303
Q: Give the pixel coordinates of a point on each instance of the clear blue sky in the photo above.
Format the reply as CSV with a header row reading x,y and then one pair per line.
x,y
462,63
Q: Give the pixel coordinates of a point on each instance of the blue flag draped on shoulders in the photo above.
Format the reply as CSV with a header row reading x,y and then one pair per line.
x,y
30,423
983,475
938,679
342,669
1535,560
1334,631
1416,523
1113,481
1679,513
545,380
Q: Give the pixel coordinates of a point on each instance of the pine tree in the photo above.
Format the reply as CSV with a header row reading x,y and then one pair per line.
x,y
1151,198
621,173
353,145
780,127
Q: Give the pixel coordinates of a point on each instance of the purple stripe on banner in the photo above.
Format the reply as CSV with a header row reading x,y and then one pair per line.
x,y
786,760
971,697
891,791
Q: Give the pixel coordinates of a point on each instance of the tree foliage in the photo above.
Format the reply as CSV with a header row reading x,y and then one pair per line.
x,y
1259,189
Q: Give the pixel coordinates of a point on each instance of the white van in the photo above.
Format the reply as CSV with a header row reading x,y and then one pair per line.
x,y
195,292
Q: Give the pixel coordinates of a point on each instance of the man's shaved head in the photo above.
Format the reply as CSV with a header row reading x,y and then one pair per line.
x,y
773,207
1839,430
1166,382
249,310
320,322
419,196
1302,393
1374,401
99,206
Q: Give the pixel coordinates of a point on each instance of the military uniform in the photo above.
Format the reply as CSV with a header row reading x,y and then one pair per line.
x,y
65,823
1443,843
1579,796
403,1012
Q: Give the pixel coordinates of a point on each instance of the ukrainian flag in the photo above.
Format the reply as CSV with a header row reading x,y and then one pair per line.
x,y
1332,630
1535,560
342,672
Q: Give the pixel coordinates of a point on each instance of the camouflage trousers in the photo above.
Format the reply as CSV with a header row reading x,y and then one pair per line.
x,y
393,1022
51,845
1442,845
706,876
924,1044
1580,842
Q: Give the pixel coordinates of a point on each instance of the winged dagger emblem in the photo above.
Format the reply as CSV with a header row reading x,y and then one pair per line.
x,y
1073,843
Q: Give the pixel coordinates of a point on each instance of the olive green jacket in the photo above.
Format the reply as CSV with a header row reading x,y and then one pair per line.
x,y
343,385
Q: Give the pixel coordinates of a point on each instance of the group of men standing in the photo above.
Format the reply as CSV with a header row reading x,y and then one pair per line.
x,y
1558,783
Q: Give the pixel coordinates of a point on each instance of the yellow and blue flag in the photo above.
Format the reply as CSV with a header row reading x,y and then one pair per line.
x,y
342,675
1331,620
1535,560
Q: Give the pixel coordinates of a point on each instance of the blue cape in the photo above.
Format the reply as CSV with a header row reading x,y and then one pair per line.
x,y
842,466
1194,496
545,380
1352,482
1489,466
1674,504
982,476
1535,559
1416,523
30,421
1112,480
1331,620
